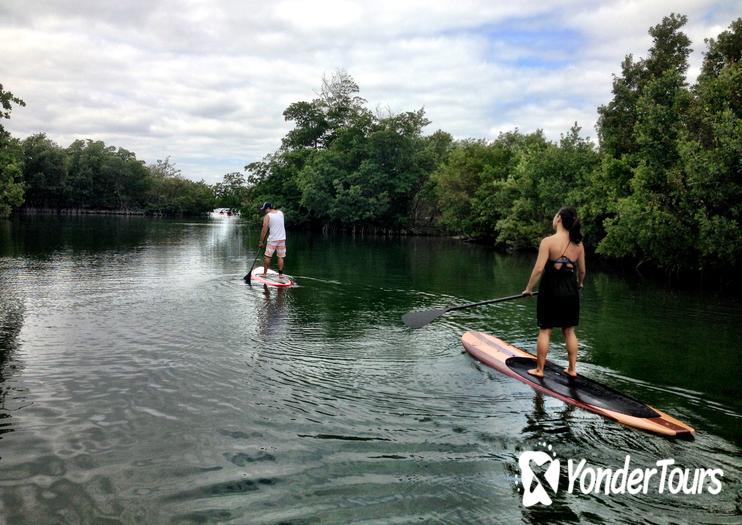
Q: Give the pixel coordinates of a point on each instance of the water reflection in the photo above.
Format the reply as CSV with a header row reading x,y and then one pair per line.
x,y
541,423
272,316
11,323
43,236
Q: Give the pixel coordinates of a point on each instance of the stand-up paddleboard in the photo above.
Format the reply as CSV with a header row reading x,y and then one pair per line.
x,y
271,279
579,391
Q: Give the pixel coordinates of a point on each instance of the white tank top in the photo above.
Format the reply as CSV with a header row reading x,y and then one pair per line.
x,y
277,232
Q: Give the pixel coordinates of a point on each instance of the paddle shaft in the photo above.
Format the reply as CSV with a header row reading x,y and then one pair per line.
x,y
248,277
421,318
490,301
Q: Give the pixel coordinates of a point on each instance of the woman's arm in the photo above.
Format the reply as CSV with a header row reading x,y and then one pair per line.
x,y
538,268
581,269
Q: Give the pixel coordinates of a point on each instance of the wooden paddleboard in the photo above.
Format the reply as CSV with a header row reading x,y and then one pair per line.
x,y
580,391
271,279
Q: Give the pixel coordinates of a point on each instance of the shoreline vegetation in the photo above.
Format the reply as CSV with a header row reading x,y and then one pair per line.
x,y
25,210
659,191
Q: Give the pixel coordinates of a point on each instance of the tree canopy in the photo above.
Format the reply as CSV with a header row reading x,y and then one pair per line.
x,y
11,158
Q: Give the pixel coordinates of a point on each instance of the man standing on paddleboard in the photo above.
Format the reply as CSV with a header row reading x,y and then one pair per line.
x,y
273,223
561,260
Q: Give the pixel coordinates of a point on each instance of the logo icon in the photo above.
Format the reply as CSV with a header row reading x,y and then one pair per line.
x,y
533,486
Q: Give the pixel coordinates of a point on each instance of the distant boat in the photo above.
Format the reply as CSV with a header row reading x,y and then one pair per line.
x,y
223,213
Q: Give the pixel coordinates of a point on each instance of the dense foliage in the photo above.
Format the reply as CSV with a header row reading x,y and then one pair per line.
x,y
11,158
662,187
678,204
342,166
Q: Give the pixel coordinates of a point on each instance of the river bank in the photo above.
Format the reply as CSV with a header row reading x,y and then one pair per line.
x,y
95,211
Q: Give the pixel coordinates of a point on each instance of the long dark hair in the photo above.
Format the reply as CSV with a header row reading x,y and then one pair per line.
x,y
571,223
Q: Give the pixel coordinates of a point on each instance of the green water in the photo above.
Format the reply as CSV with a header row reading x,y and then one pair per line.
x,y
142,381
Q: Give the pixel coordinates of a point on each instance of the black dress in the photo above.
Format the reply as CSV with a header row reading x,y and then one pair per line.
x,y
558,302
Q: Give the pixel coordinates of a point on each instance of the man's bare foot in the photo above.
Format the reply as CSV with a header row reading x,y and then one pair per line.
x,y
536,372
571,373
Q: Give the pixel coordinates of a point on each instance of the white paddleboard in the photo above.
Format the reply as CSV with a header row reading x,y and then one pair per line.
x,y
271,278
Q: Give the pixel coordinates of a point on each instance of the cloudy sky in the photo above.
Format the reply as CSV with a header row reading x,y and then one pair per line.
x,y
205,82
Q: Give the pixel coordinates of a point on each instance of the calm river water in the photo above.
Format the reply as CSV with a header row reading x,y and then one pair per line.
x,y
142,381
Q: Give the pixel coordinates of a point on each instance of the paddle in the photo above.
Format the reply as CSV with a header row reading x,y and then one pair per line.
x,y
249,274
423,317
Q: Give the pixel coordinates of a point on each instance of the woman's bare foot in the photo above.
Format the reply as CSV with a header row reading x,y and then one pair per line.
x,y
536,372
571,373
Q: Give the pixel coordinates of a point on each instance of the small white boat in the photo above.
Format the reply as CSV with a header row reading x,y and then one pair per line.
x,y
224,213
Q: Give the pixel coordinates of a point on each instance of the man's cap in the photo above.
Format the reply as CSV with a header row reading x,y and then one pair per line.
x,y
266,205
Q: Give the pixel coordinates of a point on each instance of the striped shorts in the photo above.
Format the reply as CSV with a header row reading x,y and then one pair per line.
x,y
279,247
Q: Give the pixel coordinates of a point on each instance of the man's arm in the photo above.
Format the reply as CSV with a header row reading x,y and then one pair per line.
x,y
264,231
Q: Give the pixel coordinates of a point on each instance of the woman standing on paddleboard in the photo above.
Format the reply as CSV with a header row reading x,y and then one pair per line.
x,y
561,268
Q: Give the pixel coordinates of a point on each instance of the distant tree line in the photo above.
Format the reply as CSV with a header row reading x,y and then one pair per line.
x,y
90,175
662,188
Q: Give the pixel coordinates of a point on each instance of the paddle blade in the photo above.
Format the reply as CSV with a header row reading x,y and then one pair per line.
x,y
421,318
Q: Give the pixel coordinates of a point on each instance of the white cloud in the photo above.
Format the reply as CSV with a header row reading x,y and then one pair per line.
x,y
206,82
